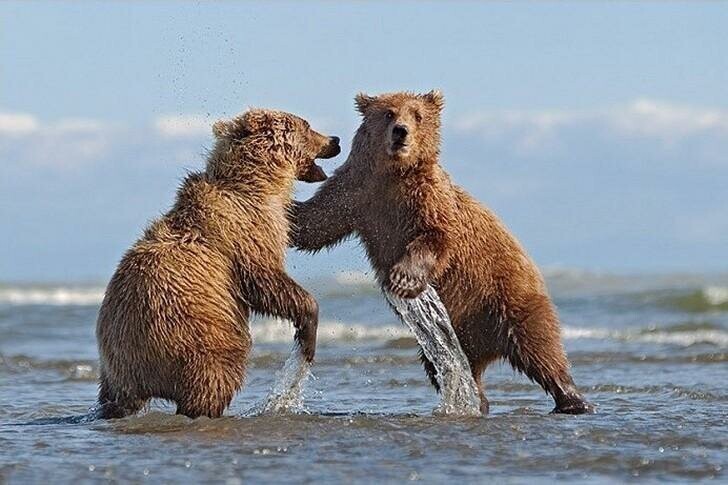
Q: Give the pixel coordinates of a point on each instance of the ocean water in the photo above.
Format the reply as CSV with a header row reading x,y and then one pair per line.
x,y
650,351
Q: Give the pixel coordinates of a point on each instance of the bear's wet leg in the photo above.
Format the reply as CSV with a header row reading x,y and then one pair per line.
x,y
209,384
478,378
429,370
568,399
114,405
275,293
534,347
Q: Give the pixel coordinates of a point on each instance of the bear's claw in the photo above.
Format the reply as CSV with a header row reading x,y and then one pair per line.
x,y
405,285
575,407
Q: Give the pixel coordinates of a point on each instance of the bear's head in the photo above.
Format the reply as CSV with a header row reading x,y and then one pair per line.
x,y
275,140
403,128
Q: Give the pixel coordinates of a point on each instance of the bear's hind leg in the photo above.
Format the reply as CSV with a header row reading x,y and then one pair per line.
x,y
209,387
477,370
114,405
429,370
533,346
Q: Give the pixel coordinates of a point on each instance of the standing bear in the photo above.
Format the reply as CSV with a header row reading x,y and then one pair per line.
x,y
174,320
419,228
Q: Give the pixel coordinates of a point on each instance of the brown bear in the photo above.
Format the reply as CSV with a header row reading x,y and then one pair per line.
x,y
419,228
174,321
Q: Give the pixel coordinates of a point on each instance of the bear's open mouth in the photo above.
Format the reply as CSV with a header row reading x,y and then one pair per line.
x,y
398,146
313,174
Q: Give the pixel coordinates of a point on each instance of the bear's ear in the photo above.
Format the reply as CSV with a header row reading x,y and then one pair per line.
x,y
363,101
435,98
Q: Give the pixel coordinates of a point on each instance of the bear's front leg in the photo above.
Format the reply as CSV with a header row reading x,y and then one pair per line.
x,y
411,274
276,294
408,278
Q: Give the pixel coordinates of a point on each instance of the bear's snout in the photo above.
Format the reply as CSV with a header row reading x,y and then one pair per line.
x,y
399,133
331,149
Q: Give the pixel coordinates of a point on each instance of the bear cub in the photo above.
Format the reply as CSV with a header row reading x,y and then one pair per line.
x,y
419,228
174,321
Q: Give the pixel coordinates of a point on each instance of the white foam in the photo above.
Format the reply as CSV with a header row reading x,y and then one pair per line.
x,y
716,295
682,338
52,296
329,331
275,331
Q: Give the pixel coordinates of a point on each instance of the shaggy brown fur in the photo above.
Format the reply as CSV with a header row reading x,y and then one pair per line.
x,y
174,321
419,228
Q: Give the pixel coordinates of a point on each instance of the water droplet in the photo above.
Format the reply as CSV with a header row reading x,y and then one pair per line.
x,y
286,395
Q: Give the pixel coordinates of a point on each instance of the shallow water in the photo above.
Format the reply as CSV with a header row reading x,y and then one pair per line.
x,y
651,352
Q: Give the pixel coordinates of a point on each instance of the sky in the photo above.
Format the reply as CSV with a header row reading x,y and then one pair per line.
x,y
597,131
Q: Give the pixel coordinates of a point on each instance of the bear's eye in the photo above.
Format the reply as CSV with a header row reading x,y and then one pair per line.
x,y
418,116
389,114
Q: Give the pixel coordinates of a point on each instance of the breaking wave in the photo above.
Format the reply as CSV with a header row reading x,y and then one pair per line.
x,y
682,335
706,299
674,293
49,295
341,285
398,336
277,331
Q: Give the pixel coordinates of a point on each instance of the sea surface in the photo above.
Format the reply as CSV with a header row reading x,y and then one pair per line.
x,y
650,351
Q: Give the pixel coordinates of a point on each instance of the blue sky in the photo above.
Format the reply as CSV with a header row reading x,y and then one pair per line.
x,y
599,132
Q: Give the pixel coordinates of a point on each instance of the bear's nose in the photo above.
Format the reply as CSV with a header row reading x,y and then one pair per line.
x,y
399,132
334,140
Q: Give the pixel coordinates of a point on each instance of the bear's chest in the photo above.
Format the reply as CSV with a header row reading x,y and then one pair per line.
x,y
387,228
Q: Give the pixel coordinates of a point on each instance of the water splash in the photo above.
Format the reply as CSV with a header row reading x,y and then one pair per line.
x,y
286,395
427,317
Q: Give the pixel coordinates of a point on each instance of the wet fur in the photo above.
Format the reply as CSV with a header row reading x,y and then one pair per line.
x,y
418,227
174,320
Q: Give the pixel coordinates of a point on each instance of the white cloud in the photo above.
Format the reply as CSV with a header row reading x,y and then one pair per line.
x,y
660,119
67,142
21,124
645,118
72,142
17,124
183,126
530,129
78,126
